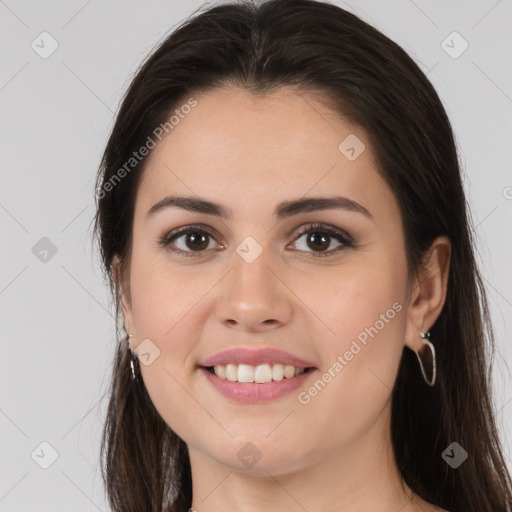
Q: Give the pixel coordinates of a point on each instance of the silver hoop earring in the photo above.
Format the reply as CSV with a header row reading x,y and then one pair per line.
x,y
134,363
431,360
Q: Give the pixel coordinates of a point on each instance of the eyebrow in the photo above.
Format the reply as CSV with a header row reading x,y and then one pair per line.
x,y
282,211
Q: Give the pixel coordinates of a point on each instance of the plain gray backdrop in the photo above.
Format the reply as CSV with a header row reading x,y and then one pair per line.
x,y
57,109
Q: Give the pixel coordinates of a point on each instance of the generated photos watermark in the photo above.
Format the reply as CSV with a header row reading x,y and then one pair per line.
x,y
305,397
144,150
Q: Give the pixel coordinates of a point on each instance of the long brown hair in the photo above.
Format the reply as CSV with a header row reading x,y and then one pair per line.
x,y
320,49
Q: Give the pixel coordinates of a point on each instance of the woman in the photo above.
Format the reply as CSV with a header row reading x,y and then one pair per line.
x,y
283,224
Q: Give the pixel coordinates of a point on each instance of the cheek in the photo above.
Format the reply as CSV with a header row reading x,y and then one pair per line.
x,y
353,389
344,302
162,312
360,361
162,296
165,308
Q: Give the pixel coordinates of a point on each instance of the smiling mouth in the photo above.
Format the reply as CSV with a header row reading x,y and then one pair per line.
x,y
260,374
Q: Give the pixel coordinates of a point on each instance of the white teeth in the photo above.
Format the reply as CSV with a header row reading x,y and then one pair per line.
x,y
260,374
220,371
231,372
263,373
289,371
277,372
245,373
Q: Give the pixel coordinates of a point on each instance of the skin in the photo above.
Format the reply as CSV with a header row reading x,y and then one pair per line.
x,y
249,154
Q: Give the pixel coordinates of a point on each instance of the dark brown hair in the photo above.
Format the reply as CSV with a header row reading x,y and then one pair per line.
x,y
323,50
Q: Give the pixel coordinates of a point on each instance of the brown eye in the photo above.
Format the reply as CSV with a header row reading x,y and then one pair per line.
x,y
187,241
319,239
196,241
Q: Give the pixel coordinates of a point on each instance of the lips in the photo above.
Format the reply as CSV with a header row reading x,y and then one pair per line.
x,y
252,393
255,357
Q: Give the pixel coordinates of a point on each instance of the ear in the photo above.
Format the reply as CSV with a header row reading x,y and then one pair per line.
x,y
123,286
428,292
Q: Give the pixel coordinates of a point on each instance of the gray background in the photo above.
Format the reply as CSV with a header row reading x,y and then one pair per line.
x,y
57,328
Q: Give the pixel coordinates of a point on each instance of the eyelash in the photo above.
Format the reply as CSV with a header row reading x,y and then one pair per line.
x,y
340,236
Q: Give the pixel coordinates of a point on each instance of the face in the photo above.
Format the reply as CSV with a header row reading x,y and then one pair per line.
x,y
327,286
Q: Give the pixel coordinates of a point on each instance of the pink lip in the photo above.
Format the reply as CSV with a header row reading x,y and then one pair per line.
x,y
255,357
251,392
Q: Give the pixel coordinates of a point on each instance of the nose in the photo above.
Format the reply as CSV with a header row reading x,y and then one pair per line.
x,y
253,297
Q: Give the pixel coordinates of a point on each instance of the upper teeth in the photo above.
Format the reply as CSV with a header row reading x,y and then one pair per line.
x,y
259,374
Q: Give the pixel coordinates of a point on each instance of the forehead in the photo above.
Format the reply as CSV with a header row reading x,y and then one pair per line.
x,y
252,152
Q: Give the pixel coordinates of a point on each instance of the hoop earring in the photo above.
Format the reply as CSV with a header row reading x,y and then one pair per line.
x,y
431,361
134,363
